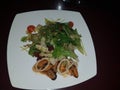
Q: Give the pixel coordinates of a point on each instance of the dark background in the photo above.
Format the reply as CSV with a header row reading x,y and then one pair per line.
x,y
102,18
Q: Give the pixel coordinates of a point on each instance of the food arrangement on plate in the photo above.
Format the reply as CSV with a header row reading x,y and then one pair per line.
x,y
53,45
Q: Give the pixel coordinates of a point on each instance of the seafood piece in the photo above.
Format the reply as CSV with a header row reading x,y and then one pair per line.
x,y
73,70
55,66
42,65
51,74
62,67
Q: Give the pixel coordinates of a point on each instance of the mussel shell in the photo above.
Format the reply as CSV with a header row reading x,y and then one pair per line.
x,y
51,74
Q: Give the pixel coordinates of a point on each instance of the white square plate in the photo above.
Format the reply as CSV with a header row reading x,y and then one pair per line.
x,y
20,63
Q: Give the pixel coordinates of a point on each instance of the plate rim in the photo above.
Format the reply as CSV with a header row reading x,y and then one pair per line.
x,y
47,11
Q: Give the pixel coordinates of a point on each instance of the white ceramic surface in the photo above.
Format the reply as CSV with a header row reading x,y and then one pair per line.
x,y
20,63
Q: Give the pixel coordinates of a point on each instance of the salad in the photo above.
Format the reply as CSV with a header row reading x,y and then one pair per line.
x,y
53,45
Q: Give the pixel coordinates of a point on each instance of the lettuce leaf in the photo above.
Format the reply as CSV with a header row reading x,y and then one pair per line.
x,y
60,52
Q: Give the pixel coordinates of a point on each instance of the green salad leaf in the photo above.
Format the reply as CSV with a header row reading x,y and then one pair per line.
x,y
60,52
59,35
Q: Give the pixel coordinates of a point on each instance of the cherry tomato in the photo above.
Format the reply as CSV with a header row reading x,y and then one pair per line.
x,y
30,28
70,23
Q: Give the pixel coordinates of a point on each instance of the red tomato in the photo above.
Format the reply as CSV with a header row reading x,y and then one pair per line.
x,y
30,28
70,23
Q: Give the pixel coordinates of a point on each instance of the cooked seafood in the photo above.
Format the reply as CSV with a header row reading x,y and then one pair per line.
x,y
63,67
51,74
73,71
43,65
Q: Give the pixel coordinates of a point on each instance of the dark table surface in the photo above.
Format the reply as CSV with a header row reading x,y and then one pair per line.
x,y
102,19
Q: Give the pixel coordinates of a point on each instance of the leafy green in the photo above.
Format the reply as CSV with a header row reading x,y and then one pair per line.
x,y
24,39
80,47
35,38
59,35
33,50
61,52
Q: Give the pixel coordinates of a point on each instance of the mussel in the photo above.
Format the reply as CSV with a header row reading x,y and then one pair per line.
x,y
73,71
51,74
62,67
45,67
